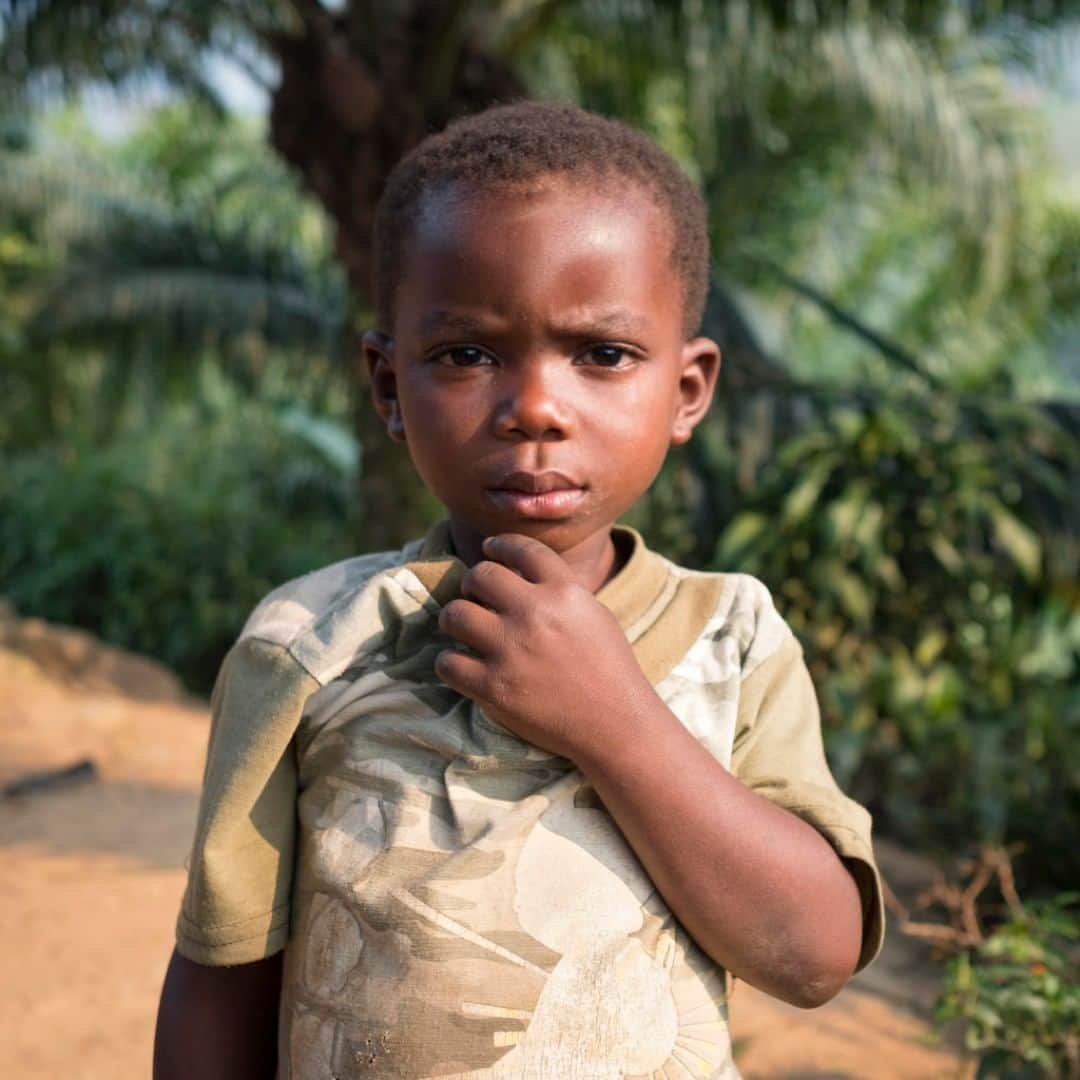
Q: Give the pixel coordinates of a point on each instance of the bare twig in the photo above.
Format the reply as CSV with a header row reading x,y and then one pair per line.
x,y
961,901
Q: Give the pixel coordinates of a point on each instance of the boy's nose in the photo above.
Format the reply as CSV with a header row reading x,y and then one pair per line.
x,y
533,408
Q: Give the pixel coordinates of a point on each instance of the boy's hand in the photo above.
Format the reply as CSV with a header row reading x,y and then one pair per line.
x,y
759,889
546,656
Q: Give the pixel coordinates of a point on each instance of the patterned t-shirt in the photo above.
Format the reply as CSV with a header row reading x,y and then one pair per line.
x,y
454,901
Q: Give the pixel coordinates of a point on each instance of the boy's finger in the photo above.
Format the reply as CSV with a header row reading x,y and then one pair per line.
x,y
495,586
461,672
472,625
531,558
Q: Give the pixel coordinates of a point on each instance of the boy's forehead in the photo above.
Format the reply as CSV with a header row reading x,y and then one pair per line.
x,y
594,256
453,209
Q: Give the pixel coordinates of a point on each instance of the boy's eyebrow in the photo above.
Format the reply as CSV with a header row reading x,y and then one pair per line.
x,y
578,324
613,321
441,319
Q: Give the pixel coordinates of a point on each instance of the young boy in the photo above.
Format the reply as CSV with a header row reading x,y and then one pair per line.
x,y
513,799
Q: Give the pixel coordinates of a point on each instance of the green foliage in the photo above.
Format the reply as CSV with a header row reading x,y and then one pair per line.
x,y
925,551
64,44
132,268
873,175
869,164
893,258
1018,995
790,117
164,542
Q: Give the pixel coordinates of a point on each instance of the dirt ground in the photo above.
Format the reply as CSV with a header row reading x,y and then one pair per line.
x,y
92,871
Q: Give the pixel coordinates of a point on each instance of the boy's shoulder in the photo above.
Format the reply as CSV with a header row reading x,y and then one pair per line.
x,y
313,613
742,618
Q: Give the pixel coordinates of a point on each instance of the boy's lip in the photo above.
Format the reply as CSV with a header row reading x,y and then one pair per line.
x,y
548,495
537,483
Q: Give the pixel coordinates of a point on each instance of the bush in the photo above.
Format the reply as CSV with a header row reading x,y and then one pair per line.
x,y
1018,996
163,542
925,552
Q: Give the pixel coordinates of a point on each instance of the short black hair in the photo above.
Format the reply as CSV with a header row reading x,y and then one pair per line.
x,y
526,141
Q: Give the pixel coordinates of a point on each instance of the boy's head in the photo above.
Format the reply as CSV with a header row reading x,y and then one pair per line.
x,y
538,272
528,143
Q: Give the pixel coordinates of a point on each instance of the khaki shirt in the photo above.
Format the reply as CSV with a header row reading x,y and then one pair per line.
x,y
454,901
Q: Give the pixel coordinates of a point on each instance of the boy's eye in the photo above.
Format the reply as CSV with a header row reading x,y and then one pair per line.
x,y
463,356
610,356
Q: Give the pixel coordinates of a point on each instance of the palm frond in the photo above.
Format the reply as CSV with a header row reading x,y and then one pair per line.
x,y
763,100
185,307
60,45
146,291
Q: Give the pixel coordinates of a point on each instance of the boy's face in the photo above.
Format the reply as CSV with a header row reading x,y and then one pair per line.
x,y
536,367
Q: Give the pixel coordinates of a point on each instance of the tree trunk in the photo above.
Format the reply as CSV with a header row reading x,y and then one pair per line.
x,y
358,90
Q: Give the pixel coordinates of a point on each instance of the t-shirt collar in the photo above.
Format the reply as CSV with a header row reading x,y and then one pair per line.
x,y
629,595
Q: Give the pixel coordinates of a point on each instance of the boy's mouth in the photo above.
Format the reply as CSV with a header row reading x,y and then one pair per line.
x,y
542,495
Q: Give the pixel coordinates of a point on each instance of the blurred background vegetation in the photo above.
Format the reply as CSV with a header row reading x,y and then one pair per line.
x,y
186,194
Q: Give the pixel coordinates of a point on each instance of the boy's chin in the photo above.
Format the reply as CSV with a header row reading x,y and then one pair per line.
x,y
559,535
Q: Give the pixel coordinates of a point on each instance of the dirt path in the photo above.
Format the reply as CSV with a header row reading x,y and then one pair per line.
x,y
91,876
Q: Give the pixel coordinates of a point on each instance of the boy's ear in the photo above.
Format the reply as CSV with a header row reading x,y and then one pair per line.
x,y
700,368
378,350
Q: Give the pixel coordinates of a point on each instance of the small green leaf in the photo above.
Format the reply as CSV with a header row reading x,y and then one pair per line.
x,y
743,531
848,508
801,499
945,553
1017,539
855,597
888,572
929,647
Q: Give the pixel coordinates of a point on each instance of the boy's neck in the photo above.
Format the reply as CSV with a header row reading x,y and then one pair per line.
x,y
593,562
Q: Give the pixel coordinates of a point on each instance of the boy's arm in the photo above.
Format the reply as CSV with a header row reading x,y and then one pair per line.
x,y
218,1023
759,889
218,1014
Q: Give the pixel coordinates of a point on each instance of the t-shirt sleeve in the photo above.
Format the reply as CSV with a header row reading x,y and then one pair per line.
x,y
236,906
778,753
